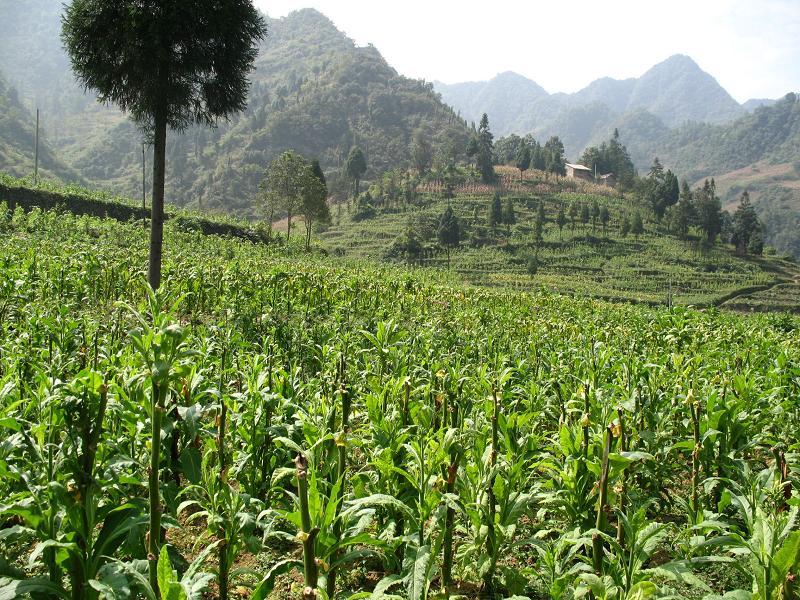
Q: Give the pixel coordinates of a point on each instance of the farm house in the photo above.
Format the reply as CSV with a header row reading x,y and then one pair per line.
x,y
579,172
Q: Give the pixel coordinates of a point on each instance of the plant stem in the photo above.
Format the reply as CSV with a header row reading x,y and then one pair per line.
x,y
452,470
154,537
623,447
597,541
341,473
309,536
694,408
491,536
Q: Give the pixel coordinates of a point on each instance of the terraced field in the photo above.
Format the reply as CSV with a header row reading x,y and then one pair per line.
x,y
581,259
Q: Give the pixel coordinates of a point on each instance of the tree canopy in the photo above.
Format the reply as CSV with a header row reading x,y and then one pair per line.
x,y
167,64
355,167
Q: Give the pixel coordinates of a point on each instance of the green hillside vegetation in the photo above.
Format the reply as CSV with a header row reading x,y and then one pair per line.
x,y
585,257
17,140
313,90
758,152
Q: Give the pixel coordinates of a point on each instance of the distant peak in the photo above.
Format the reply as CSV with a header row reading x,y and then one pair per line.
x,y
678,61
308,14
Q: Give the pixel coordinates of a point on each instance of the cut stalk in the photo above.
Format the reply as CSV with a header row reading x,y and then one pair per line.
x,y
452,470
694,408
154,537
602,508
623,447
491,536
341,445
308,536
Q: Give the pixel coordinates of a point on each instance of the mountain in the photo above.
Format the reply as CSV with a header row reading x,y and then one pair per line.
x,y
497,97
676,90
759,152
754,103
313,90
17,141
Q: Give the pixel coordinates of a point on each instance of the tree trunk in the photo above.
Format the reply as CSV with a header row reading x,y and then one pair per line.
x,y
288,227
157,211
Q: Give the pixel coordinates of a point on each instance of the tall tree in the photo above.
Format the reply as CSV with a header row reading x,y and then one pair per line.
x,y
595,213
523,159
554,150
538,223
286,183
573,214
495,211
355,167
561,220
604,217
472,148
585,214
314,203
683,214
449,231
484,157
745,223
637,225
167,64
509,217
421,152
708,210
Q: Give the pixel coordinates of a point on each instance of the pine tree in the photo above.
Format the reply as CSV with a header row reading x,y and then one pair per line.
x,y
745,224
496,211
708,210
538,224
561,220
573,214
449,231
637,225
484,156
509,218
625,226
355,167
523,159
604,217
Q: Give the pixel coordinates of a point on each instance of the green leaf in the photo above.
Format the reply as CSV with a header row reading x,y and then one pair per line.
x,y
264,588
167,578
11,589
418,577
190,464
384,585
787,558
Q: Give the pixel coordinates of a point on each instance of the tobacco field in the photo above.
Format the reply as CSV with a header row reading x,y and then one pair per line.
x,y
274,425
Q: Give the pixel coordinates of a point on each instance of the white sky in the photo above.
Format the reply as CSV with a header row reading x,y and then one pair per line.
x,y
752,47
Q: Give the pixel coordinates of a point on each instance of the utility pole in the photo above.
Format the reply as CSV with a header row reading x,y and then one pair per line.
x,y
144,190
36,153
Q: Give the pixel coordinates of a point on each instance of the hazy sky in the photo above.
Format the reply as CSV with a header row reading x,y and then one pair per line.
x,y
752,47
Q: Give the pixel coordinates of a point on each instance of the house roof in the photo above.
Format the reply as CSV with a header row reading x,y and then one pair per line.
x,y
577,167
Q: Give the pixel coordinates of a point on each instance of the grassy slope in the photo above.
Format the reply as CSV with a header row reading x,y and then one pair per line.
x,y
580,261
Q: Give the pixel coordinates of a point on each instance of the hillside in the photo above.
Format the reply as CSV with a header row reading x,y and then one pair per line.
x,y
585,259
759,152
676,90
17,140
313,90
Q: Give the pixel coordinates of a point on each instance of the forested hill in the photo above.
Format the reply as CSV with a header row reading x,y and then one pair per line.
x,y
17,140
313,90
758,152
